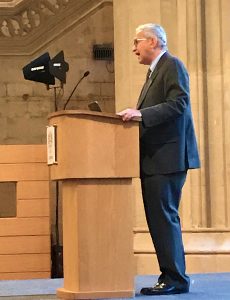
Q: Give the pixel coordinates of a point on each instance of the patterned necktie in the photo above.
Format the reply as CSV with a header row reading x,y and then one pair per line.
x,y
144,86
148,74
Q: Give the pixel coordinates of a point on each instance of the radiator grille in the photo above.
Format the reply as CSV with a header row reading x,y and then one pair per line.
x,y
103,52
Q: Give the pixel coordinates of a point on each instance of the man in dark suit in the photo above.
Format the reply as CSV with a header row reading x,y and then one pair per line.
x,y
168,149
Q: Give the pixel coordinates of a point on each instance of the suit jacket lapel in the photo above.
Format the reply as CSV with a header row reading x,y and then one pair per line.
x,y
146,87
151,79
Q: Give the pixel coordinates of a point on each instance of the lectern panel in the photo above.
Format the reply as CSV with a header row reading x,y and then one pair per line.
x,y
98,222
95,147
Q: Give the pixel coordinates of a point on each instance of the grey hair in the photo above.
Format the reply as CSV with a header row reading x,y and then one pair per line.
x,y
156,30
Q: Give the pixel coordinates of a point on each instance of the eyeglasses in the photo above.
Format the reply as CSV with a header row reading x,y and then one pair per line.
x,y
136,41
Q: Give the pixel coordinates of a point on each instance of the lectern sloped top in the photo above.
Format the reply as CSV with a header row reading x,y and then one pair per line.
x,y
94,145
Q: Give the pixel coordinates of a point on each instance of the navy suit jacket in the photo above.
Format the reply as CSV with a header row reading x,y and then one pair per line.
x,y
167,138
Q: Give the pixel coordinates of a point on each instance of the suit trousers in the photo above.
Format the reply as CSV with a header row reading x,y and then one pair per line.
x,y
161,196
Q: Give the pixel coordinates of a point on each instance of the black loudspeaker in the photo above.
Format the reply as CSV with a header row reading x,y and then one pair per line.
x,y
38,70
58,67
43,69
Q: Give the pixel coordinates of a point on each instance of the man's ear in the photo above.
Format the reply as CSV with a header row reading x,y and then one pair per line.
x,y
154,42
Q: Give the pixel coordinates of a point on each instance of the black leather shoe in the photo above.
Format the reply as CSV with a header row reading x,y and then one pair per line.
x,y
162,289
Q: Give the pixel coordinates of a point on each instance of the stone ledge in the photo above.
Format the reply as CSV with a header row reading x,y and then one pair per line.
x,y
195,242
205,263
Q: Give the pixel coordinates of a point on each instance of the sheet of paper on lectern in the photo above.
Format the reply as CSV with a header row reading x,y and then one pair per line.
x,y
51,145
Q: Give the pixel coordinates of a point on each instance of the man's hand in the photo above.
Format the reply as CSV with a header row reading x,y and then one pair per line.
x,y
129,113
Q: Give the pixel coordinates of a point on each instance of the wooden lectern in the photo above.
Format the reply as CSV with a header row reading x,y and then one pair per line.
x,y
97,155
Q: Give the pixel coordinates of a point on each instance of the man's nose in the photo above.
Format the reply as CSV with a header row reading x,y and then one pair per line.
x,y
134,49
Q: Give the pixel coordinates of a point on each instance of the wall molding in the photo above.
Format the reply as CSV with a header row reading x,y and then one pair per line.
x,y
30,25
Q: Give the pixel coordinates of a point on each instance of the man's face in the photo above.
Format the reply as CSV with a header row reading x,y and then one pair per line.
x,y
144,47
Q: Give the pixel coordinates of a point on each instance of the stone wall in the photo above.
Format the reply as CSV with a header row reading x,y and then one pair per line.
x,y
74,28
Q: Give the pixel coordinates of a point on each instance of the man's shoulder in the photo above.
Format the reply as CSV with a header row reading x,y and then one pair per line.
x,y
173,59
173,62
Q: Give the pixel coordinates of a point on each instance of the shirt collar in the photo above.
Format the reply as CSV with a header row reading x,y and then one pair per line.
x,y
155,61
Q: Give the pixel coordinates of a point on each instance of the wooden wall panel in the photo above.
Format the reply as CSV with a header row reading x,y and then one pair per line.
x,y
33,208
25,244
24,226
22,153
25,238
24,171
38,262
32,189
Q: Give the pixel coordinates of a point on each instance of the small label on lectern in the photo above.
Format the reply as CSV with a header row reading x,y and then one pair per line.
x,y
51,145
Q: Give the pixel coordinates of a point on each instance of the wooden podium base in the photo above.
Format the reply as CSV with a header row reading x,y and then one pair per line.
x,y
66,294
97,253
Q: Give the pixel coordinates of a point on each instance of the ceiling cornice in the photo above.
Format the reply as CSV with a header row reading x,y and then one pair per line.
x,y
31,24
9,3
13,6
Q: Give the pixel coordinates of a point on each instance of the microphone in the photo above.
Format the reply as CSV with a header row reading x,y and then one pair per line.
x,y
85,75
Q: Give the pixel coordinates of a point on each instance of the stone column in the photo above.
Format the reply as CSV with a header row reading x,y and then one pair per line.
x,y
217,62
198,34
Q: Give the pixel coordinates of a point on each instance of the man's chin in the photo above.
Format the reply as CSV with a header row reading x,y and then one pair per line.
x,y
142,61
